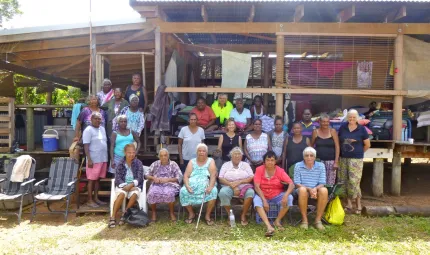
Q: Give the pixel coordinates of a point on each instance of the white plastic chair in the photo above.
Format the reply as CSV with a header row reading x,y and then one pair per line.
x,y
142,198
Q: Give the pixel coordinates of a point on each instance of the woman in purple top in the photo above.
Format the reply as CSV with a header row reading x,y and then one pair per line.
x,y
84,118
165,176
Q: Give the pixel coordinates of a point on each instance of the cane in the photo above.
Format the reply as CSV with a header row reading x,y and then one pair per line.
x,y
201,207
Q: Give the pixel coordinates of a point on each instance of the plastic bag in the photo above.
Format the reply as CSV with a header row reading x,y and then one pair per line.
x,y
335,214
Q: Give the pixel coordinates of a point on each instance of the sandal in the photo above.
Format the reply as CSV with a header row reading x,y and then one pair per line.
x,y
190,220
319,225
121,221
112,223
244,222
280,228
304,225
348,210
358,211
210,222
269,233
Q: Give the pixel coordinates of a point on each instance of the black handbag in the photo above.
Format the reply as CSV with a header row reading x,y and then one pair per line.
x,y
136,217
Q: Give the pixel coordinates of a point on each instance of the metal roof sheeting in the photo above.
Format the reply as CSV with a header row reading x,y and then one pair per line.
x,y
269,1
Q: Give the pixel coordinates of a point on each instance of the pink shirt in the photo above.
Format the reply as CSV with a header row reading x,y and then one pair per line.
x,y
232,174
273,186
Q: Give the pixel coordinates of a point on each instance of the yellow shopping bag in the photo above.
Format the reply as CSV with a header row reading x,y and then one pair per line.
x,y
335,214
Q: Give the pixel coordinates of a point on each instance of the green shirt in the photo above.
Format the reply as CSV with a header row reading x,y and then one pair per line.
x,y
222,113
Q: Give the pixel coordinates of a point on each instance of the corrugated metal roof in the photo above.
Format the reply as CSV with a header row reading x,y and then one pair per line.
x,y
268,1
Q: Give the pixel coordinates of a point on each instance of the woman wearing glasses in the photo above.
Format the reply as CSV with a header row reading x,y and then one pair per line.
x,y
229,140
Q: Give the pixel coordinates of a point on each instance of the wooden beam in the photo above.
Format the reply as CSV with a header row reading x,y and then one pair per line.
x,y
158,52
299,13
346,14
127,53
110,47
204,13
61,43
295,28
251,14
43,76
396,14
58,32
260,37
290,91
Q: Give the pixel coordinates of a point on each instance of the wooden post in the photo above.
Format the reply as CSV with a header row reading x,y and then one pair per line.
x,y
378,177
25,96
99,72
280,52
267,78
12,121
30,128
396,176
94,86
158,53
398,85
49,97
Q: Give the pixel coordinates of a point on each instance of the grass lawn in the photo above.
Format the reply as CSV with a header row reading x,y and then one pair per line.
x,y
90,235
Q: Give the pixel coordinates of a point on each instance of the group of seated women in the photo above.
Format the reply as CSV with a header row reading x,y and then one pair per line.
x,y
264,187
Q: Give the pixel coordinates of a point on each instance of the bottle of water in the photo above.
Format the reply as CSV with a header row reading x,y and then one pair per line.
x,y
232,219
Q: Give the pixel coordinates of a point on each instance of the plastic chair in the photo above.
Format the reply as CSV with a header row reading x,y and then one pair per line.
x,y
61,185
15,191
141,201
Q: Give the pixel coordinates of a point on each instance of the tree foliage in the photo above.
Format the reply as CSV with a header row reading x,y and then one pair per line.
x,y
59,96
9,8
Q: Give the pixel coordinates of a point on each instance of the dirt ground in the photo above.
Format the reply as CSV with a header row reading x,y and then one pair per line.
x,y
414,189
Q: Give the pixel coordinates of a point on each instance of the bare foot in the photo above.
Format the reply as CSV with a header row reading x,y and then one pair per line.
x,y
99,202
172,217
278,225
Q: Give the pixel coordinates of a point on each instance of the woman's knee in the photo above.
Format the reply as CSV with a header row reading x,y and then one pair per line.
x,y
250,193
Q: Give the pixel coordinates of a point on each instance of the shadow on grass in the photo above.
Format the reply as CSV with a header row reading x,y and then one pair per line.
x,y
355,228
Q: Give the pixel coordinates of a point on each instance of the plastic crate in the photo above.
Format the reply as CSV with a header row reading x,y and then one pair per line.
x,y
271,215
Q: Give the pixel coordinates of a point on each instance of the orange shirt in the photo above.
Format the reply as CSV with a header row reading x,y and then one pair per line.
x,y
203,117
273,186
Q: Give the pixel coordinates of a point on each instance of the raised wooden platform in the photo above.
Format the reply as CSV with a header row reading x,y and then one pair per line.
x,y
86,210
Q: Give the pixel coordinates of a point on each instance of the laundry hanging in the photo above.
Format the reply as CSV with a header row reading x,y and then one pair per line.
x,y
171,76
235,69
364,74
192,95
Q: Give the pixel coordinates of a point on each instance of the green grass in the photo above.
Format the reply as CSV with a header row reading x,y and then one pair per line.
x,y
90,235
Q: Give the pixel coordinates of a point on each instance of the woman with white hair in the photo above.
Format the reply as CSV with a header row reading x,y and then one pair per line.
x,y
106,93
354,142
310,180
135,118
236,179
166,177
199,183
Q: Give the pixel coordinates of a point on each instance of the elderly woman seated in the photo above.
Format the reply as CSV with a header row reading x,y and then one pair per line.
x,y
199,184
269,183
310,180
236,178
128,182
165,176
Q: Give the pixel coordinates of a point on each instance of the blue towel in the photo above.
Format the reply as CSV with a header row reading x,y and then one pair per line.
x,y
75,113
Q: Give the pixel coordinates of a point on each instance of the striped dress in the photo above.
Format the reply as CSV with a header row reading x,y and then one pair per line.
x,y
257,147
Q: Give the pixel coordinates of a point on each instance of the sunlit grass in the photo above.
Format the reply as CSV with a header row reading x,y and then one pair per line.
x,y
90,235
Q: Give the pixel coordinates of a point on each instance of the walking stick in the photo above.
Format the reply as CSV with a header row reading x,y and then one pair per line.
x,y
201,207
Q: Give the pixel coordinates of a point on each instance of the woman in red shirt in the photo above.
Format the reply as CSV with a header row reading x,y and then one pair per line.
x,y
269,182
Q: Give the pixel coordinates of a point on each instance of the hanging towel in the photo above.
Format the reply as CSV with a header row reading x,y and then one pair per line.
x,y
171,76
21,169
364,74
235,69
75,113
329,69
160,110
192,95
